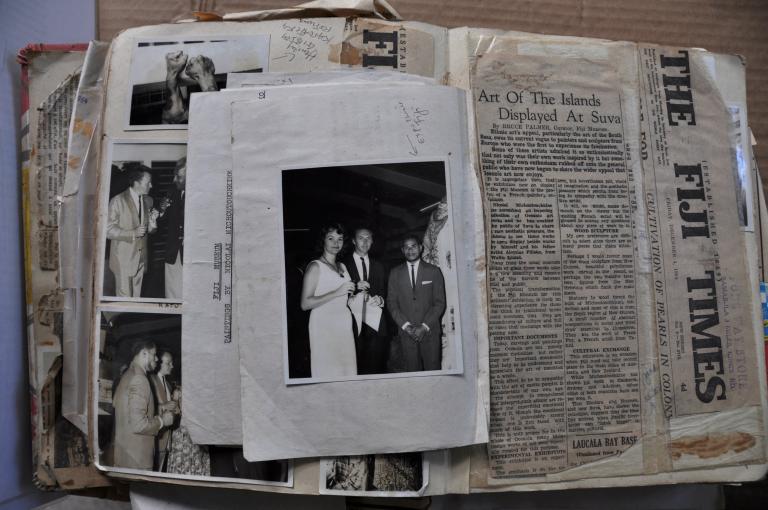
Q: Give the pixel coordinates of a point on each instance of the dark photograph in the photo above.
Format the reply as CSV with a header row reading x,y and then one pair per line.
x,y
370,280
371,474
140,405
145,222
164,73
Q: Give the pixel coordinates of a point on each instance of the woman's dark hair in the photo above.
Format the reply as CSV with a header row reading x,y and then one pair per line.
x,y
325,229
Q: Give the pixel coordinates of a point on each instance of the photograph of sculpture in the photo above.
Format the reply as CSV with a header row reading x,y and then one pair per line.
x,y
140,405
165,72
370,275
394,474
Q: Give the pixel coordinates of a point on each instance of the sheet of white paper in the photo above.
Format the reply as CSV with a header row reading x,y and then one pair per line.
x,y
76,248
160,496
212,404
348,126
365,311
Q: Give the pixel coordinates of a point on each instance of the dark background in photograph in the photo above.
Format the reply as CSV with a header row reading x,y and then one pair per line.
x,y
121,331
392,199
148,99
153,285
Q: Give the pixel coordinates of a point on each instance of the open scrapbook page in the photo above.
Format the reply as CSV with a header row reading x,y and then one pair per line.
x,y
379,257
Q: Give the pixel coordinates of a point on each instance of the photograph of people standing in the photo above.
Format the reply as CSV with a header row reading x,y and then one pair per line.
x,y
144,227
139,424
344,230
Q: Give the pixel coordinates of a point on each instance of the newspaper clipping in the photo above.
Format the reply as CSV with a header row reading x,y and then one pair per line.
x,y
705,332
563,326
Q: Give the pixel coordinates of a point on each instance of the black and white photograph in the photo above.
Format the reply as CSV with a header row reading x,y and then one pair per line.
x,y
397,474
140,405
370,279
144,225
166,71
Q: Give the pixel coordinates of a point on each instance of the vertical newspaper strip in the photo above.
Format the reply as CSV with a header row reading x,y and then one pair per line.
x,y
51,158
554,140
706,334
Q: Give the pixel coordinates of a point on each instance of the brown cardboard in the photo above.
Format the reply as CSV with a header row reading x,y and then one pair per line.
x,y
722,27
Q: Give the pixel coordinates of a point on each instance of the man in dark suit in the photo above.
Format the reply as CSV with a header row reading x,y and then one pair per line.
x,y
163,400
416,302
371,278
172,209
130,219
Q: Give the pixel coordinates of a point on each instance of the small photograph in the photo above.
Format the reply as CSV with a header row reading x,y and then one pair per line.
x,y
166,71
398,474
144,249
370,277
140,406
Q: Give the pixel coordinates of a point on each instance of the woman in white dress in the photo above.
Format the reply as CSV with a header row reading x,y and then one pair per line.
x,y
325,290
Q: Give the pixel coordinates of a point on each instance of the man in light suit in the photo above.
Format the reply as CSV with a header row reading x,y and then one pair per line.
x,y
370,277
136,423
163,392
130,218
416,302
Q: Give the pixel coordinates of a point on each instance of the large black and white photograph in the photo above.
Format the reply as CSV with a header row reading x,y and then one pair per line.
x,y
144,224
395,474
370,277
140,405
166,71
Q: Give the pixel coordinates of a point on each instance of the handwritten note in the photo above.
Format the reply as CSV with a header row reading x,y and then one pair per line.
x,y
414,117
302,38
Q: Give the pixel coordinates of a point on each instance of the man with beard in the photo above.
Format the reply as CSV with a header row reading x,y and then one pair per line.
x,y
136,423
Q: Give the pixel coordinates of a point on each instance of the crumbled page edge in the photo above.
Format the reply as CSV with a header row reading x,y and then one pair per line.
x,y
75,255
43,392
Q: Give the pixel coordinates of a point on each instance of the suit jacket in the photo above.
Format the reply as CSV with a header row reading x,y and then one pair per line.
x,y
125,252
377,277
136,423
175,217
429,303
164,437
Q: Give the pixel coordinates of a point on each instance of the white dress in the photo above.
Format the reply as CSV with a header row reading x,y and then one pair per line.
x,y
331,341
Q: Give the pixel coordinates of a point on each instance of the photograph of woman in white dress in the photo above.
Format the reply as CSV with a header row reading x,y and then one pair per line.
x,y
343,228
325,290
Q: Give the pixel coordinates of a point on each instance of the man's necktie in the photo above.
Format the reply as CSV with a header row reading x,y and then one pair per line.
x,y
413,281
365,270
